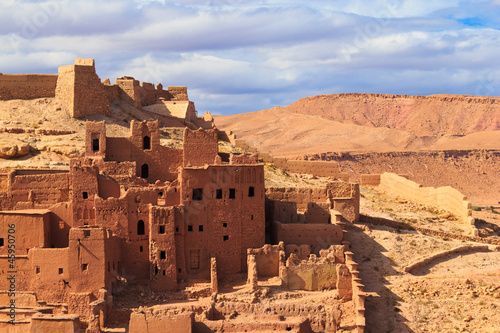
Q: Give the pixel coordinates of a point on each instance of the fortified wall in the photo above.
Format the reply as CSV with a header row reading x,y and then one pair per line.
x,y
445,197
78,89
27,86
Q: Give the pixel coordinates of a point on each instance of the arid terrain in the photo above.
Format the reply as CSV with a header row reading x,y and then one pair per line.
x,y
435,140
455,293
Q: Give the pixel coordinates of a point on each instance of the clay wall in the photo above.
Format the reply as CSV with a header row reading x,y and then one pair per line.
x,y
130,91
224,215
80,90
243,159
27,229
311,274
267,259
49,273
178,93
446,198
46,188
93,260
46,323
153,161
61,220
370,180
84,188
318,236
162,248
164,321
200,147
27,86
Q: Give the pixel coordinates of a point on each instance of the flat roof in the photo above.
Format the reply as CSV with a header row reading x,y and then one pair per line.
x,y
25,212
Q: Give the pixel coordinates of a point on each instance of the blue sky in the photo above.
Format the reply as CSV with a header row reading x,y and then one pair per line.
x,y
239,56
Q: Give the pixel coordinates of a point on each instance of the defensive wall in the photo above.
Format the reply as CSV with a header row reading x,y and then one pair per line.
x,y
446,197
27,86
78,89
316,168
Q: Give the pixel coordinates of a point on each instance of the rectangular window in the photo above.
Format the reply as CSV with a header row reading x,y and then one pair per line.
x,y
251,191
109,266
190,228
86,233
140,248
60,270
163,255
37,269
85,195
85,267
200,228
225,238
1,241
176,229
224,224
162,229
218,194
197,194
95,145
232,193
194,259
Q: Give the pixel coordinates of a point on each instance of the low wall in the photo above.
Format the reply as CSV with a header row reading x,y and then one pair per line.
x,y
27,86
446,198
444,254
425,231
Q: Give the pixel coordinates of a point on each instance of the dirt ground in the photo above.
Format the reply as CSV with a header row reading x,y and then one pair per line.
x,y
459,293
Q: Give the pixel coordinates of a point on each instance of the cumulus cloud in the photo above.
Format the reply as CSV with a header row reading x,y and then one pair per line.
x,y
238,56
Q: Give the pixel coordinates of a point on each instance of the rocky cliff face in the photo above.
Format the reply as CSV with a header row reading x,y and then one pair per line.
x,y
419,115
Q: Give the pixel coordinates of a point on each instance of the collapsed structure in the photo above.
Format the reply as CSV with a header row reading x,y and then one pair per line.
x,y
133,213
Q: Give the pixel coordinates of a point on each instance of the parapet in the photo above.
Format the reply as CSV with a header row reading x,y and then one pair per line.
x,y
84,62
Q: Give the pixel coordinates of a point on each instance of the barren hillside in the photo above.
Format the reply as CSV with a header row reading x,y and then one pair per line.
x,y
370,122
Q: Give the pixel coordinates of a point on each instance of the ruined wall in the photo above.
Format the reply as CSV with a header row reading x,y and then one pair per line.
x,y
130,90
163,320
267,259
311,274
370,180
80,90
27,86
38,188
318,236
200,147
446,198
162,248
152,161
222,215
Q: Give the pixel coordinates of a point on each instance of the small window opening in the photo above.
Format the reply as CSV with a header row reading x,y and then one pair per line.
x,y
224,224
1,241
144,171
163,255
176,229
146,142
60,270
85,267
162,229
164,273
85,195
232,193
37,269
160,194
179,270
140,248
109,266
218,194
251,217
190,228
95,145
251,191
200,228
140,227
86,233
225,238
197,194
